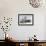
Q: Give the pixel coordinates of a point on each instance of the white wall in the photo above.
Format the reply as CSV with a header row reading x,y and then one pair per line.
x,y
11,8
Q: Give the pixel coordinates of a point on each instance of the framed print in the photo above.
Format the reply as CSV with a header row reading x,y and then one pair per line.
x,y
25,19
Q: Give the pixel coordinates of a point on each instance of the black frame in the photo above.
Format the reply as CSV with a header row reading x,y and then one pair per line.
x,y
26,24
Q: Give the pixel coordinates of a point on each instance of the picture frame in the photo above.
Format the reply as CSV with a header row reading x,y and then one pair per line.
x,y
25,19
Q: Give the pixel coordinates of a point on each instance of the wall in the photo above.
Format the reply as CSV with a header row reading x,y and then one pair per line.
x,y
11,8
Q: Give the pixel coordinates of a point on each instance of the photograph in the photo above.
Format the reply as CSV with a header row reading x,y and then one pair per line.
x,y
25,19
22,22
